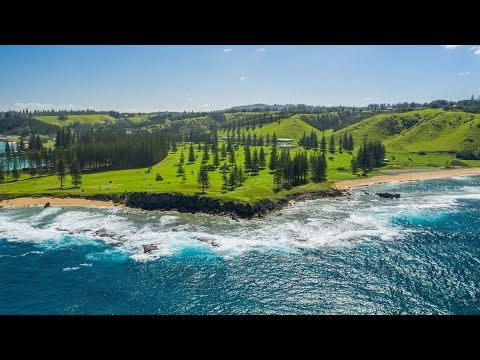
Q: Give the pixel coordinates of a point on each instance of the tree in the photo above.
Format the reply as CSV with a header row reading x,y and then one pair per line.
x,y
331,146
224,177
216,158
240,176
340,145
224,151
277,178
61,167
232,178
262,161
350,143
180,170
203,178
274,139
364,156
15,171
318,163
75,171
206,156
354,165
174,147
2,173
323,144
231,158
273,159
255,161
191,154
345,142
248,158
182,158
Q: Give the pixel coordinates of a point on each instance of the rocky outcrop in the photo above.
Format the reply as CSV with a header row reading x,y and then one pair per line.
x,y
389,196
47,205
203,204
149,248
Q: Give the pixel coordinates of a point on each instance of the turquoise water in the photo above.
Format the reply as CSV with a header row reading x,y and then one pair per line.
x,y
362,255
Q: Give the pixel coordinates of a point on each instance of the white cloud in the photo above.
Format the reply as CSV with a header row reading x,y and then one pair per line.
x,y
477,52
205,105
451,47
261,51
227,51
189,99
243,77
463,73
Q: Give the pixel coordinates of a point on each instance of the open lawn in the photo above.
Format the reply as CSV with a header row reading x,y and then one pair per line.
x,y
82,119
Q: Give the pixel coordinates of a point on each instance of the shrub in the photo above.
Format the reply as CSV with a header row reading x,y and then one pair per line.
x,y
331,158
158,177
210,167
340,168
422,153
458,163
467,155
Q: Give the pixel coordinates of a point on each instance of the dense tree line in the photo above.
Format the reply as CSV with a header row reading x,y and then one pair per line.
x,y
370,155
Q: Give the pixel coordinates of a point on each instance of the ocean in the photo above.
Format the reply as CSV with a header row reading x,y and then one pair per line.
x,y
361,254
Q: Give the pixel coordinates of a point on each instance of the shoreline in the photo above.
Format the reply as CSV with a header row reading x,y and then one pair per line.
x,y
198,204
407,176
41,201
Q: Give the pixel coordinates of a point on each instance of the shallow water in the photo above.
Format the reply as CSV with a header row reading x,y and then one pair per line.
x,y
364,254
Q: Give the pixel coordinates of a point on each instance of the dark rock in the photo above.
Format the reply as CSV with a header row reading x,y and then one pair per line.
x,y
149,248
389,196
46,205
197,203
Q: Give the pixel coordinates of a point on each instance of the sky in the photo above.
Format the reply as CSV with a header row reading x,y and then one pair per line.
x,y
206,78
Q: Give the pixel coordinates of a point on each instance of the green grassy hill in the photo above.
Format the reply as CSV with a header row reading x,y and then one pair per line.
x,y
430,130
292,128
83,119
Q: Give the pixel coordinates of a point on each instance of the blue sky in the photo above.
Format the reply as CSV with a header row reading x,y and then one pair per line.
x,y
177,78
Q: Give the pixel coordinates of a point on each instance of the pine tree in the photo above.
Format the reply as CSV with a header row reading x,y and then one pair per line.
x,y
331,147
340,147
354,165
191,154
345,142
323,144
199,147
2,172
75,171
180,170
232,178
240,176
32,170
231,158
267,139
216,158
350,143
182,158
205,156
277,177
224,151
273,159
203,178
15,171
225,177
61,167
248,158
274,139
262,161
174,147
255,164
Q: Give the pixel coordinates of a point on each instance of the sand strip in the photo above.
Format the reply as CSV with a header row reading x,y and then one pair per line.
x,y
419,175
41,201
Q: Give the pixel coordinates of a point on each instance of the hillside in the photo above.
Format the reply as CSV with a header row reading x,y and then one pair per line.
x,y
429,130
292,128
82,119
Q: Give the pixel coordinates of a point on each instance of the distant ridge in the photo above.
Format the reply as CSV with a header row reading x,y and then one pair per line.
x,y
275,107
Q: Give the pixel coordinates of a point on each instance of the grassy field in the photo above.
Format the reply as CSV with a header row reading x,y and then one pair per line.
x,y
83,119
117,182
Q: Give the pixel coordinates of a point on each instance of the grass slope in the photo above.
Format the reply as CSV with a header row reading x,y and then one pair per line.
x,y
83,119
292,128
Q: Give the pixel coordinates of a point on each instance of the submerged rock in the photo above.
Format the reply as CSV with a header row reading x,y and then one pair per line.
x,y
149,248
389,196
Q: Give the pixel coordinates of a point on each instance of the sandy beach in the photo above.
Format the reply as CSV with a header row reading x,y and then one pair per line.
x,y
41,201
419,175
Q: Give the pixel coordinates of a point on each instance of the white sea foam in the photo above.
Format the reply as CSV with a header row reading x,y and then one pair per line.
x,y
71,268
310,224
